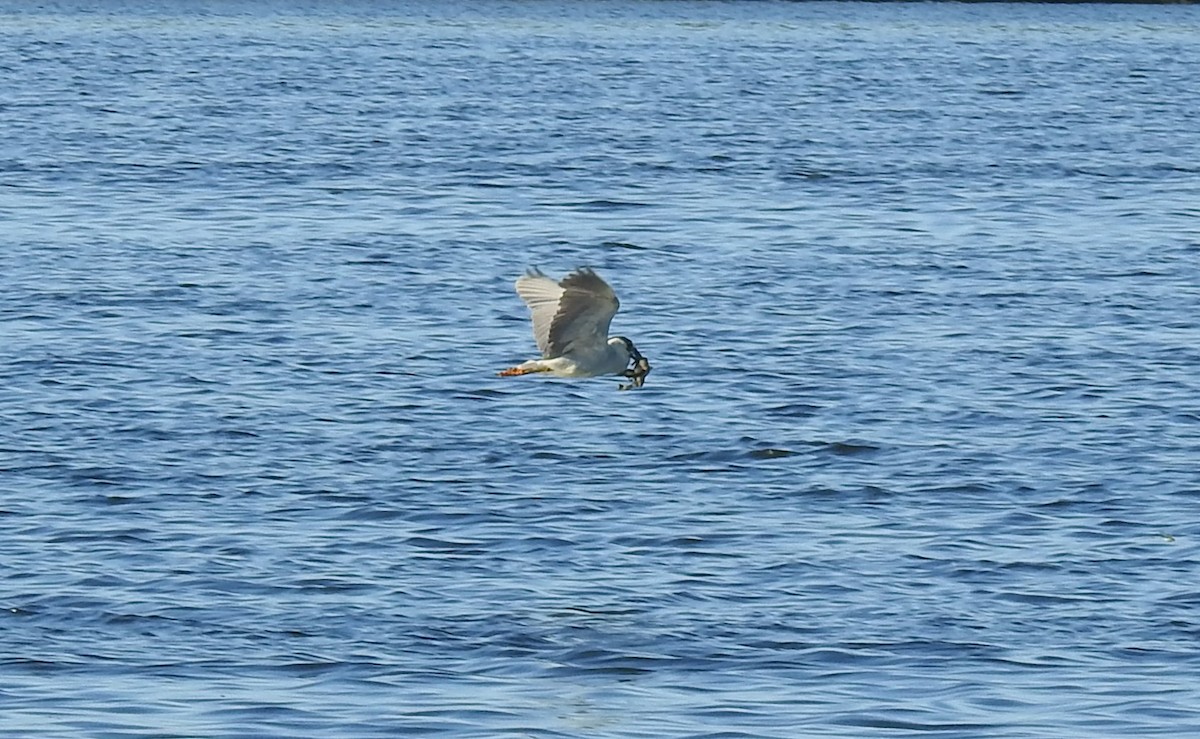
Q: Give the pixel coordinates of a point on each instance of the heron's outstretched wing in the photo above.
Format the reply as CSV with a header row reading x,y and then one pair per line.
x,y
568,316
541,294
585,310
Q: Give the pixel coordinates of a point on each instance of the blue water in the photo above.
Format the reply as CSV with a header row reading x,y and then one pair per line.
x,y
919,454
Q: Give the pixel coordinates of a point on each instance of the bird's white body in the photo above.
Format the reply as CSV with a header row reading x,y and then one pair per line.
x,y
570,325
611,360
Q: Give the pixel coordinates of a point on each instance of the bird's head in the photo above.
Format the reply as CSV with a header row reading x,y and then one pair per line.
x,y
621,341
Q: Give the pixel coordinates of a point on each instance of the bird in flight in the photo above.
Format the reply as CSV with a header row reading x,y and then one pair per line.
x,y
570,325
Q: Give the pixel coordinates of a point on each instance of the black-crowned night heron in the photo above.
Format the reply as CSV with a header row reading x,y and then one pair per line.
x,y
570,325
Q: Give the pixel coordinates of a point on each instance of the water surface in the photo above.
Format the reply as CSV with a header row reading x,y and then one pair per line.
x,y
918,455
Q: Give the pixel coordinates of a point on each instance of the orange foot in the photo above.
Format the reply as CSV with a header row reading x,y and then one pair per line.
x,y
514,371
519,370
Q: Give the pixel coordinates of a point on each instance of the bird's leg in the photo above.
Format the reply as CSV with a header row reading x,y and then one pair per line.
x,y
519,370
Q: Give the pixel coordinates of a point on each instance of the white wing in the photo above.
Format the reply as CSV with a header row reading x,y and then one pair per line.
x,y
568,316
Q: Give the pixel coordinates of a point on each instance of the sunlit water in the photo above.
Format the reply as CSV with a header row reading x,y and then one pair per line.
x,y
918,454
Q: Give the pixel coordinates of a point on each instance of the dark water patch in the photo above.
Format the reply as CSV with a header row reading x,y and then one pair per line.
x,y
444,545
373,513
373,260
602,205
846,448
771,453
720,455
794,410
891,723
